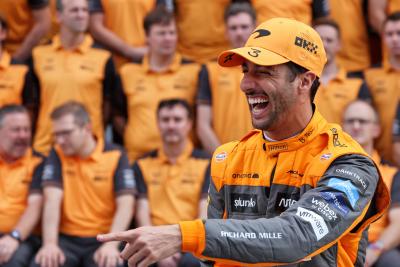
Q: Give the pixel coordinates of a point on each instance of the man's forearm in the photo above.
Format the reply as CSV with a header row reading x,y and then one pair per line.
x,y
40,28
31,216
50,222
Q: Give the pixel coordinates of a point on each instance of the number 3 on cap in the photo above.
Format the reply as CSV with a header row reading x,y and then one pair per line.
x,y
254,52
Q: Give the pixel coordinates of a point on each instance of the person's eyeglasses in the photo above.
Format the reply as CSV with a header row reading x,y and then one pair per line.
x,y
64,133
358,120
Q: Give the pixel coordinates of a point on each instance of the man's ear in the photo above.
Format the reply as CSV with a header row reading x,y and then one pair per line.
x,y
305,83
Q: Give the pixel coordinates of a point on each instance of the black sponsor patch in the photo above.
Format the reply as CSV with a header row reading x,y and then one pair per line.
x,y
284,201
244,203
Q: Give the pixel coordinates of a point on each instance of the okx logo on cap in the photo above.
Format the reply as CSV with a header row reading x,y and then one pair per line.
x,y
277,41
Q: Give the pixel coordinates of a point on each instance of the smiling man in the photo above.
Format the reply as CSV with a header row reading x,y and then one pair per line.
x,y
297,191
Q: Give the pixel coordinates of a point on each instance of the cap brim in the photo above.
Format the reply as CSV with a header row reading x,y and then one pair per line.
x,y
256,55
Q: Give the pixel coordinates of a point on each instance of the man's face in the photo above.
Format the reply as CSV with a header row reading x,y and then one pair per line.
x,y
270,94
391,37
68,135
15,135
238,29
174,124
162,39
75,15
359,121
330,39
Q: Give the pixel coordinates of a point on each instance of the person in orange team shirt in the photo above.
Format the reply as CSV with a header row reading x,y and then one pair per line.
x,y
361,121
218,120
20,188
88,188
29,21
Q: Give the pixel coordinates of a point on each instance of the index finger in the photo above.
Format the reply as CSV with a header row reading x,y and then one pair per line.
x,y
121,236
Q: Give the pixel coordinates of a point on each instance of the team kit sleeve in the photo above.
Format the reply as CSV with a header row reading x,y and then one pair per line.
x,y
36,184
306,229
124,182
52,171
95,6
204,91
140,183
37,4
395,191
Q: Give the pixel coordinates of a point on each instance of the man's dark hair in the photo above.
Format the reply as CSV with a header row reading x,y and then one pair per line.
x,y
59,5
159,15
11,109
3,22
295,70
395,16
240,7
327,22
74,108
170,103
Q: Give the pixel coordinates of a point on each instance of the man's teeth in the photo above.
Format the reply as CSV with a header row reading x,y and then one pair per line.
x,y
253,101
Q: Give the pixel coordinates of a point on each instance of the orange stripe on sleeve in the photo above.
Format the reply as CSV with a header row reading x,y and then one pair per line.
x,y
193,236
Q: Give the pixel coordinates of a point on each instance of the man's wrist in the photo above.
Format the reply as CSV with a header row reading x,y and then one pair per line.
x,y
377,246
15,234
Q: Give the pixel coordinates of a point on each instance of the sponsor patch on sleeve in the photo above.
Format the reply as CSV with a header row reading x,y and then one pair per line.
x,y
337,201
317,222
221,156
346,187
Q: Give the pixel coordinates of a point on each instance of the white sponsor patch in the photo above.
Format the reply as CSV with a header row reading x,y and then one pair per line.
x,y
221,156
317,222
48,172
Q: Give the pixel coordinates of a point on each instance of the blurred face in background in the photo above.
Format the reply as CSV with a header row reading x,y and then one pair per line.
x,y
361,122
15,135
70,136
174,124
74,15
162,39
331,40
238,29
391,37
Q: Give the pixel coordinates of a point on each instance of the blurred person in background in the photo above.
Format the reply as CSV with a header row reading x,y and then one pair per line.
x,y
222,109
20,188
88,188
28,23
14,82
383,83
70,68
162,74
173,180
361,121
118,25
337,90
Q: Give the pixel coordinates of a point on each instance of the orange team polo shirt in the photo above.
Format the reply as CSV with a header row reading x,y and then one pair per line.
x,y
393,6
12,80
391,177
301,10
90,187
384,84
85,74
142,90
125,19
17,181
354,53
220,88
19,19
173,190
201,28
332,98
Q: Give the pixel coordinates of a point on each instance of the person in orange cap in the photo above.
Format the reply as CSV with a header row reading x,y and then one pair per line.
x,y
295,191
